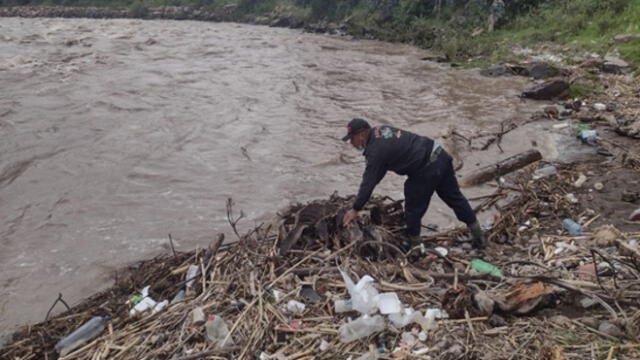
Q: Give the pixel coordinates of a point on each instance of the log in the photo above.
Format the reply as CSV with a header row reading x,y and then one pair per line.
x,y
500,168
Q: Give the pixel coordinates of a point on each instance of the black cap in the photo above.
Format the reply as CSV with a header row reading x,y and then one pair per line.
x,y
354,126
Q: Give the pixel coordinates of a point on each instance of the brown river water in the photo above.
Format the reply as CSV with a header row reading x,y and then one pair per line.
x,y
115,133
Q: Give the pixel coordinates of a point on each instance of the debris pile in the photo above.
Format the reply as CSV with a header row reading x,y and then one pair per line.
x,y
308,288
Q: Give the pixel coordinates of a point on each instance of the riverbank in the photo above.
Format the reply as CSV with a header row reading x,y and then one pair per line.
x,y
617,91
471,32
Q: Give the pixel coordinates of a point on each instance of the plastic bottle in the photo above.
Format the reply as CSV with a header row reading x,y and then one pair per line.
x,y
484,267
406,317
544,172
83,334
217,332
572,227
361,327
179,296
588,136
192,273
343,306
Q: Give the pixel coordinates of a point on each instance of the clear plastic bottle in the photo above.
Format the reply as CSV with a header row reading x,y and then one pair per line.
x,y
343,306
361,327
81,335
217,332
544,172
588,136
572,227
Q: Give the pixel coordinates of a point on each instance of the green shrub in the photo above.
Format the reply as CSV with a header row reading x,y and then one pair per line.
x,y
582,90
138,9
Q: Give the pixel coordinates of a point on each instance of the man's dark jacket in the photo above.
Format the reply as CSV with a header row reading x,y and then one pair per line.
x,y
389,148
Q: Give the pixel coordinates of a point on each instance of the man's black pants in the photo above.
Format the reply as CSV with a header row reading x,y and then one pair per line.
x,y
438,176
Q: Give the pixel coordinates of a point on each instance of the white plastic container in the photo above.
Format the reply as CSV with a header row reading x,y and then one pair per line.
x,y
388,303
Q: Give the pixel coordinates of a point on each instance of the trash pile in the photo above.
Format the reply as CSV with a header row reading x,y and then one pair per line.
x,y
547,287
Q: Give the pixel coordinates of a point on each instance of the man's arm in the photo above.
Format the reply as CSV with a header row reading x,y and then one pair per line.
x,y
374,172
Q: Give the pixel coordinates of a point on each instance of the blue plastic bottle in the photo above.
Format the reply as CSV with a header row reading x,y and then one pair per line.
x,y
572,227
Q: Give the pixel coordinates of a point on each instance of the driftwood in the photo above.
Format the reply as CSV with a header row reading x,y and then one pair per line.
x,y
503,167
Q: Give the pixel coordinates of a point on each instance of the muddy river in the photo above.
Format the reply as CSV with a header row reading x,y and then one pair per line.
x,y
115,133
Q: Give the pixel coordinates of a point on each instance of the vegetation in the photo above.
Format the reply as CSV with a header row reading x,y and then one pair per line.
x,y
456,27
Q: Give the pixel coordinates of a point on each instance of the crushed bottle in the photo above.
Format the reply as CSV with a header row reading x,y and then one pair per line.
x,y
218,333
361,327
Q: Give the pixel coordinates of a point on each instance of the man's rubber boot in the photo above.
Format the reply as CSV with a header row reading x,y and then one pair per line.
x,y
478,240
409,242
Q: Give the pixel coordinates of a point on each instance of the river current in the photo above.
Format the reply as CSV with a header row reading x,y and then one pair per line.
x,y
115,133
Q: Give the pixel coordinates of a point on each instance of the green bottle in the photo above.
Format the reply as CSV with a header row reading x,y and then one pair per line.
x,y
484,267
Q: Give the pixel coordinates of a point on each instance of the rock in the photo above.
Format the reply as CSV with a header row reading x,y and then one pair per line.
x,y
586,271
461,267
437,292
610,329
623,38
552,112
614,65
484,303
497,321
599,107
454,352
630,196
317,28
591,63
198,317
496,71
542,71
628,126
574,105
590,322
438,59
280,22
547,90
457,252
560,320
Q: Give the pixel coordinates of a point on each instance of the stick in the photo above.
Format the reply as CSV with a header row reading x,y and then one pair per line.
x,y
172,248
523,345
501,168
210,352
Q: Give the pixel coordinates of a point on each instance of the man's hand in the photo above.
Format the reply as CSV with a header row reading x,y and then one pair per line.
x,y
349,216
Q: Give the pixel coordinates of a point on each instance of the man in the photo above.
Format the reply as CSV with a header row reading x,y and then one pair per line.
x,y
428,168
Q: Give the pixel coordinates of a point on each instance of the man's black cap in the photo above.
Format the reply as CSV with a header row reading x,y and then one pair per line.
x,y
354,126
